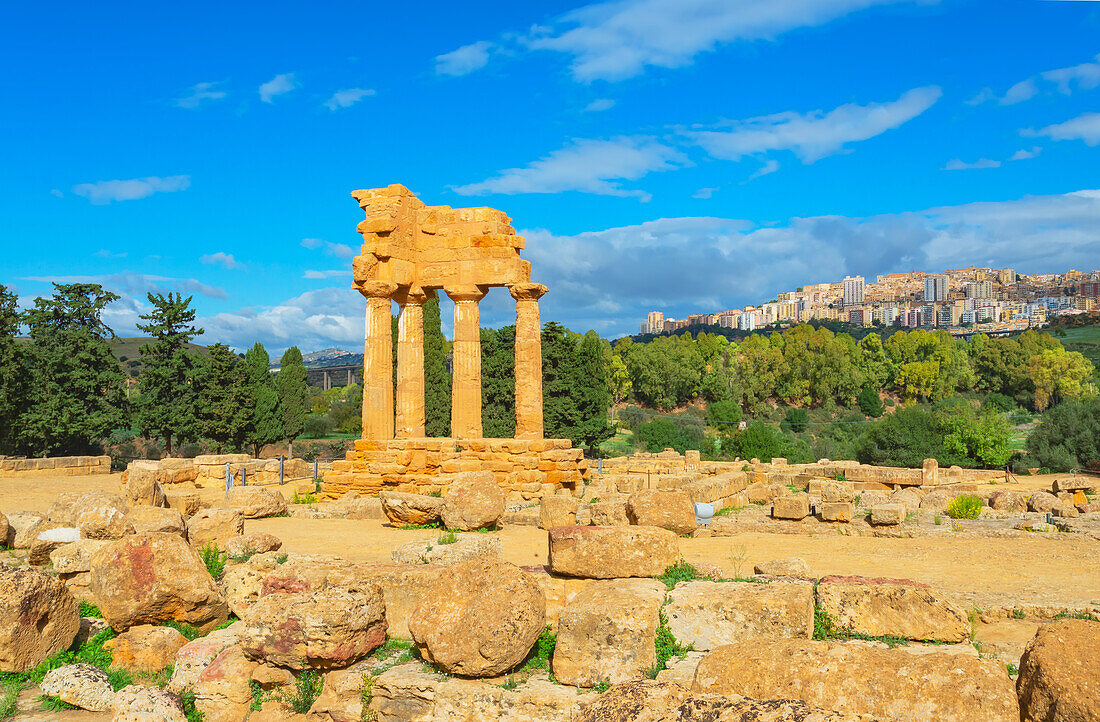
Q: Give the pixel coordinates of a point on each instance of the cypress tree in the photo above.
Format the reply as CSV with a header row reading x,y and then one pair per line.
x,y
293,395
13,388
437,377
225,404
168,406
265,426
498,382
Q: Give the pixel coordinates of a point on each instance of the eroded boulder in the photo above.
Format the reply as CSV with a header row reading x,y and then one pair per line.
x,y
256,502
38,617
432,551
150,578
664,508
247,545
214,526
473,501
893,608
80,685
147,704
480,618
711,614
157,519
145,649
410,509
558,511
222,692
1060,673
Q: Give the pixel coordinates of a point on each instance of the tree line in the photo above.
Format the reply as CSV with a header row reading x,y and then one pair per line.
x,y
63,392
813,366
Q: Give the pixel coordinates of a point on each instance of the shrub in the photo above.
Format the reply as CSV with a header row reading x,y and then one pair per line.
x,y
307,688
964,507
999,402
1068,436
448,537
676,432
317,426
723,415
304,498
631,417
795,420
681,571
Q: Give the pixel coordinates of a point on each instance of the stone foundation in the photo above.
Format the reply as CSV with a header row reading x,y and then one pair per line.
x,y
524,468
57,466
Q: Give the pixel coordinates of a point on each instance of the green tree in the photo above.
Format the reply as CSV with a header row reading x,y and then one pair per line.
x,y
437,380
293,388
498,382
574,387
1060,375
795,420
759,441
168,405
76,395
1067,438
869,401
225,404
265,426
670,432
723,415
13,388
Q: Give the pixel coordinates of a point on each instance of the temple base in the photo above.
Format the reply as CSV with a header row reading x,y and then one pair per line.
x,y
525,469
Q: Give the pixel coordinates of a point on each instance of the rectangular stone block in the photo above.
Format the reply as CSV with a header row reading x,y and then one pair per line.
x,y
837,511
793,507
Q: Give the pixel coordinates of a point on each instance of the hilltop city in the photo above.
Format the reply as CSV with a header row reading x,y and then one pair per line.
x,y
962,301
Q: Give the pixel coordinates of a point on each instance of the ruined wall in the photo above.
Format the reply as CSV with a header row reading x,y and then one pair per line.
x,y
57,466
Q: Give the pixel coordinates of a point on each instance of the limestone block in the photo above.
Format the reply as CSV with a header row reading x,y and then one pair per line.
x,y
887,514
839,511
837,492
39,615
558,511
606,632
1060,672
709,614
667,509
612,552
608,513
791,566
214,526
793,507
892,607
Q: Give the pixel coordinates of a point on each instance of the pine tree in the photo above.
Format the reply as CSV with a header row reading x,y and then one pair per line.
x,y
574,387
225,404
76,395
437,379
291,383
498,382
168,406
265,426
593,394
13,387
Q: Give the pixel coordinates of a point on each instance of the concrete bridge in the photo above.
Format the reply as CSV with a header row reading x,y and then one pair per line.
x,y
327,377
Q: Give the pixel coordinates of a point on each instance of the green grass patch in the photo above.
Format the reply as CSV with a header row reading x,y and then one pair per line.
x,y
9,696
825,628
301,499
307,688
87,609
429,525
1078,614
214,559
448,537
964,507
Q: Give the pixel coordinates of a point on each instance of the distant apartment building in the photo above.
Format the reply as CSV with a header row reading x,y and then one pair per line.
x,y
935,289
855,316
655,322
852,290
1090,289
979,289
1006,276
747,321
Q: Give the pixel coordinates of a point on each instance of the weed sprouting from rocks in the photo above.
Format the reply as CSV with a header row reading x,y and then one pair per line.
x,y
449,537
303,499
281,559
214,559
666,646
307,688
189,632
429,525
681,571
87,609
9,694
601,686
187,701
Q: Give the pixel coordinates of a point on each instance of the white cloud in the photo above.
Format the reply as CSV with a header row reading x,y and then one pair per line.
x,y
199,93
279,85
225,260
599,105
104,253
56,193
693,265
704,193
339,250
814,135
618,39
128,190
1086,76
313,320
588,166
770,166
347,98
464,60
138,284
981,163
1025,154
314,275
1084,127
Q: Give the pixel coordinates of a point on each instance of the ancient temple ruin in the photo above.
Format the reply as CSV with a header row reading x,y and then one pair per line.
x,y
410,252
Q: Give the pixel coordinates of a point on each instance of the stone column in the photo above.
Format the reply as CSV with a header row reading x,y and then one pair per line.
x,y
466,363
378,361
528,360
410,365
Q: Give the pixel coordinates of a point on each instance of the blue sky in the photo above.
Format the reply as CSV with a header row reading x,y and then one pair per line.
x,y
682,155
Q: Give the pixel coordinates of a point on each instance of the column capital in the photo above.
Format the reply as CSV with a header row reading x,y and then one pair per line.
x,y
465,292
411,296
377,289
527,291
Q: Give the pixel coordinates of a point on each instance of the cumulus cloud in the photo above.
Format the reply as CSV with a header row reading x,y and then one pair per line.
x,y
1026,154
347,98
588,166
279,85
692,265
1084,127
598,105
225,260
339,250
817,134
313,320
104,192
198,94
464,60
131,283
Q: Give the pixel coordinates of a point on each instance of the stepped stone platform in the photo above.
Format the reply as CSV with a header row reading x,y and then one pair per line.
x,y
525,468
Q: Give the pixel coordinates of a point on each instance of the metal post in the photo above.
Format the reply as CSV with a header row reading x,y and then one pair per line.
x,y
315,468
244,476
228,479
281,457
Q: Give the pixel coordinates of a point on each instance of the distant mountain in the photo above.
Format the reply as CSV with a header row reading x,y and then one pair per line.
x,y
326,357
126,350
